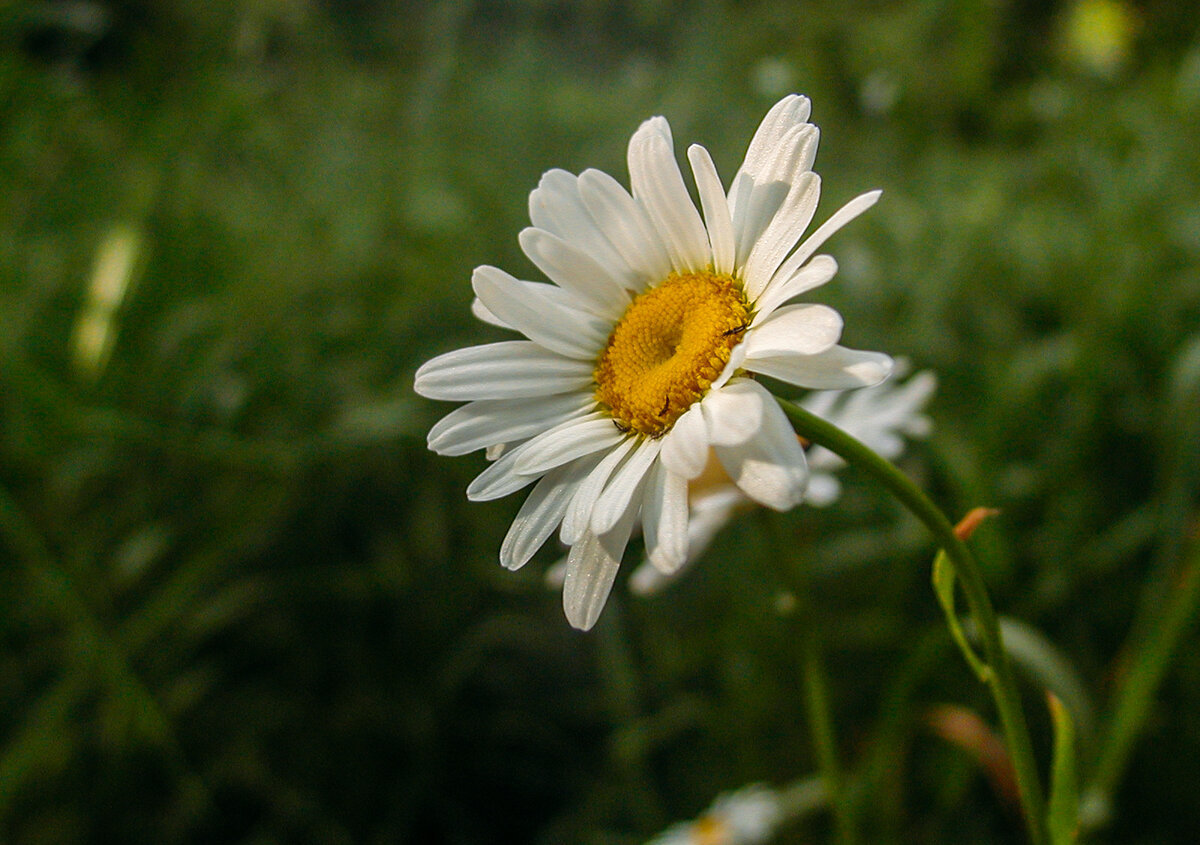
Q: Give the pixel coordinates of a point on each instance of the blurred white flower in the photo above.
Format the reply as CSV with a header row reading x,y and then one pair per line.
x,y
640,357
745,817
881,417
879,92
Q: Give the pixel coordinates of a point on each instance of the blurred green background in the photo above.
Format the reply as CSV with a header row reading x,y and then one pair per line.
x,y
241,602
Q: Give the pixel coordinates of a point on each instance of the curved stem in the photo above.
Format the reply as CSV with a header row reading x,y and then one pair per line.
x,y
1003,684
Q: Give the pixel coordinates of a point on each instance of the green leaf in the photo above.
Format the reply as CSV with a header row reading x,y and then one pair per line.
x,y
1033,652
1063,812
943,586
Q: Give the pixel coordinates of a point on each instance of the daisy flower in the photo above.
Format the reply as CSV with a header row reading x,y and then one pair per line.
x,y
641,354
749,816
879,416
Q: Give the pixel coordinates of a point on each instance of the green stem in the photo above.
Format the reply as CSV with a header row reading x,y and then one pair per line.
x,y
1003,685
820,725
1135,695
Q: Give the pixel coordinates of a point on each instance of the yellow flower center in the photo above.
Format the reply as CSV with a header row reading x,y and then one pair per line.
x,y
709,830
667,349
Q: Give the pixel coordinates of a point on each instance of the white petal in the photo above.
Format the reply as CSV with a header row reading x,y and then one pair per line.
x,y
814,241
822,402
812,275
562,298
790,112
821,459
707,515
500,479
481,312
478,425
770,468
769,144
782,233
591,567
626,225
837,368
658,185
665,519
823,490
753,213
622,490
889,444
737,356
579,511
538,312
572,269
507,370
763,184
685,446
793,330
733,414
878,416
568,441
906,403
716,209
647,580
542,512
716,499
556,206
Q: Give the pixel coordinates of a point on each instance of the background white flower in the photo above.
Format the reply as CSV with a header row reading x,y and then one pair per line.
x,y
879,416
640,356
748,816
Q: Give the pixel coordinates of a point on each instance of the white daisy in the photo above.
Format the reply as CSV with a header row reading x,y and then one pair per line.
x,y
641,355
749,816
879,416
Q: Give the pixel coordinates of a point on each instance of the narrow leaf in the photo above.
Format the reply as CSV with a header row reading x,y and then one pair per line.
x,y
943,586
1032,652
1063,812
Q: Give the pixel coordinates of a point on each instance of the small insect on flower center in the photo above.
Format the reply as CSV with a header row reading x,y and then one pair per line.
x,y
669,346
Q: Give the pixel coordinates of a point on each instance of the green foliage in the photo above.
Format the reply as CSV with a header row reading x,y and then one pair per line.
x,y
240,601
1063,811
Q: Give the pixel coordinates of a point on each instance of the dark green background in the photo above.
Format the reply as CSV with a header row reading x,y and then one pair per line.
x,y
240,601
